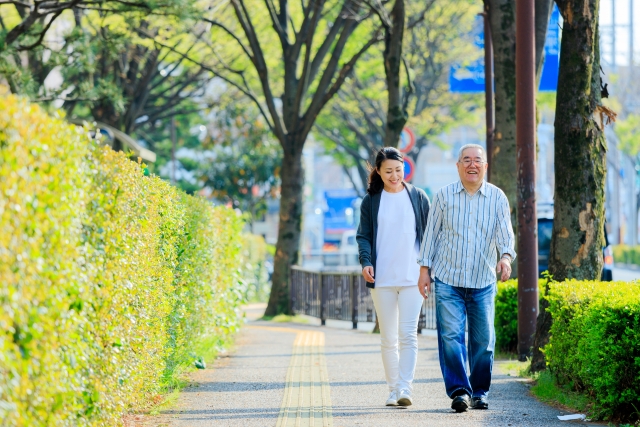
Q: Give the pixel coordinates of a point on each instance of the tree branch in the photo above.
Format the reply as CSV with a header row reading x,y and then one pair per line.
x,y
377,8
414,20
245,91
232,34
280,31
261,67
17,2
309,31
319,103
42,34
410,88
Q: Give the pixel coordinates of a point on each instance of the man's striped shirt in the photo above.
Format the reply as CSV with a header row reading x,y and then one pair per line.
x,y
463,234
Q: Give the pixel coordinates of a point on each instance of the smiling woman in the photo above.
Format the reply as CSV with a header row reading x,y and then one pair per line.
x,y
393,216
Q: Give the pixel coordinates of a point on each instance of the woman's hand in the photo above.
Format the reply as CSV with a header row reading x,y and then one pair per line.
x,y
424,282
367,273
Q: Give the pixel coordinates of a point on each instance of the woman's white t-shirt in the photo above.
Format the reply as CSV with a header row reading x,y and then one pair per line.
x,y
396,243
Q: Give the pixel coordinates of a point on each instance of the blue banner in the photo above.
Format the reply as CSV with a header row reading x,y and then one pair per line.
x,y
469,78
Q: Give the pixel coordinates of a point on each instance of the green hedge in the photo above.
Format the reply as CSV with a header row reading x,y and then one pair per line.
x,y
111,283
506,320
595,343
626,255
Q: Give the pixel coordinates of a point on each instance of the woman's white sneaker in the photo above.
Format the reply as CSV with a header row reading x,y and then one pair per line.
x,y
404,398
393,399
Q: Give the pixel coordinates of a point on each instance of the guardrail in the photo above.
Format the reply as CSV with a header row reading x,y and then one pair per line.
x,y
342,296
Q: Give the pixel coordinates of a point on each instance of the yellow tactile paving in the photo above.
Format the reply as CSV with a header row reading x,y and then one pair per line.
x,y
307,400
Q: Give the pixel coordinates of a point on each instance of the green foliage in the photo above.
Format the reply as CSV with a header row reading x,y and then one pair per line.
x,y
129,68
595,344
506,320
111,283
548,390
628,131
353,128
626,254
24,24
254,270
244,161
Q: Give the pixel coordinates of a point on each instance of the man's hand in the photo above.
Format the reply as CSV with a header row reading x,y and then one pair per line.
x,y
424,282
367,273
504,267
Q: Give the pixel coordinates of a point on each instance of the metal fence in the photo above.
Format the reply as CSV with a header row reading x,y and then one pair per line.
x,y
342,296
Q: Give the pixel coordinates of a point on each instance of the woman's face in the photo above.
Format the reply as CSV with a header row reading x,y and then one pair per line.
x,y
392,173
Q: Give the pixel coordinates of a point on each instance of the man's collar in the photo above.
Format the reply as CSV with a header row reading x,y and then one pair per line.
x,y
482,189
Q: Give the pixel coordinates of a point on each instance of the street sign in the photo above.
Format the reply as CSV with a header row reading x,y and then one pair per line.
x,y
407,140
469,78
549,78
338,216
409,169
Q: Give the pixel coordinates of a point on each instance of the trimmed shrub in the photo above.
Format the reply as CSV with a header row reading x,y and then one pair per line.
x,y
626,254
111,283
595,343
506,320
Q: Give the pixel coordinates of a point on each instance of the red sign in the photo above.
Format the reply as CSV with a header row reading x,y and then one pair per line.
x,y
409,169
407,140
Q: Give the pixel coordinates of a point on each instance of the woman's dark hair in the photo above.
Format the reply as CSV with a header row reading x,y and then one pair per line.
x,y
375,180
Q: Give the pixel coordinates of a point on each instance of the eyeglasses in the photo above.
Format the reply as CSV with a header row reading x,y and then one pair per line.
x,y
467,162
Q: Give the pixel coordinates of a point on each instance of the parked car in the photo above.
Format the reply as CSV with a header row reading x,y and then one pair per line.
x,y
545,229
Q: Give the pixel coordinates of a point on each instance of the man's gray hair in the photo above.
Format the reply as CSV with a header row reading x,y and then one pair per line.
x,y
464,147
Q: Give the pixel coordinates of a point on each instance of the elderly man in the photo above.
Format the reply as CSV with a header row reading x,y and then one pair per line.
x,y
469,221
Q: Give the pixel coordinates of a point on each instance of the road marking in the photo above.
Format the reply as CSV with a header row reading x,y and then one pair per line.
x,y
307,398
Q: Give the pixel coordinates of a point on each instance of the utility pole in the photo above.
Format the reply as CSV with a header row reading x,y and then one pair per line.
x,y
488,88
527,226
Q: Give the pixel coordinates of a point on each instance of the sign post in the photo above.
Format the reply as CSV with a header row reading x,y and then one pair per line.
x,y
409,169
526,165
407,140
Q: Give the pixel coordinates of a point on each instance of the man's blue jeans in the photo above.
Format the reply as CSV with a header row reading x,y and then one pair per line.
x,y
454,306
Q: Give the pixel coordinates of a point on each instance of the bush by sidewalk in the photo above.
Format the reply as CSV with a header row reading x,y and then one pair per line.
x,y
624,254
111,283
506,320
595,344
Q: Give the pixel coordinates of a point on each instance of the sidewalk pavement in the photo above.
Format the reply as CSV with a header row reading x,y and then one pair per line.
x,y
340,383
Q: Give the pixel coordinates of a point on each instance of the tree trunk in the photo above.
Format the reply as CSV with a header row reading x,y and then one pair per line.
x,y
503,30
541,338
503,157
580,147
396,112
289,227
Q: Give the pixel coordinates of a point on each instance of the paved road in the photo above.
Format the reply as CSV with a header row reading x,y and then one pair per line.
x,y
625,275
340,383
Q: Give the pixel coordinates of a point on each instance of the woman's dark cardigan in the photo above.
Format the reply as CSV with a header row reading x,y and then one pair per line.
x,y
368,228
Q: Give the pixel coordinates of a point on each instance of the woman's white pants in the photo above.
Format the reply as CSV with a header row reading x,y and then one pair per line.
x,y
398,309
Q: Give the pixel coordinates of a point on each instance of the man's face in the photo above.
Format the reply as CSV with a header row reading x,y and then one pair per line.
x,y
472,167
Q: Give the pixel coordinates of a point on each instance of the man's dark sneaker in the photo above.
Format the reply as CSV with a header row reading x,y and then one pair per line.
x,y
479,403
461,403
